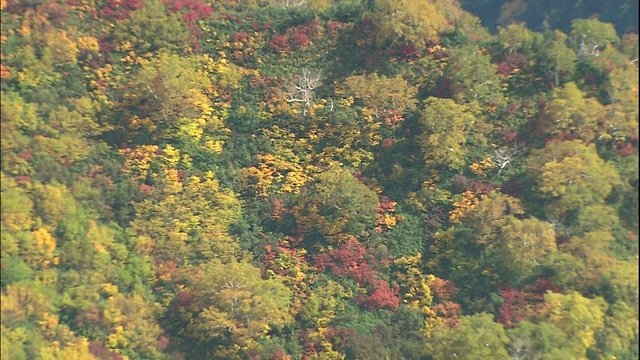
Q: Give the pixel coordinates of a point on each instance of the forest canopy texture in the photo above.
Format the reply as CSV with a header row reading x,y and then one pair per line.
x,y
319,179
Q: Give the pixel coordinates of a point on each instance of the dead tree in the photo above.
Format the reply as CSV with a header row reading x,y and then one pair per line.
x,y
505,158
291,3
301,88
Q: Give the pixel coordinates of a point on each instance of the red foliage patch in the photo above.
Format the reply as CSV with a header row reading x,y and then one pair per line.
x,y
300,40
408,52
510,136
479,187
626,150
385,204
230,17
26,154
339,337
443,290
504,69
184,300
22,179
169,271
512,310
104,45
349,260
192,9
279,43
332,25
279,355
120,9
162,343
449,312
540,288
463,183
511,62
4,72
279,209
524,304
56,13
352,260
145,189
393,118
240,37
383,297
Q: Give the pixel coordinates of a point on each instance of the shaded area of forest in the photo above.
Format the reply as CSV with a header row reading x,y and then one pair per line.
x,y
543,15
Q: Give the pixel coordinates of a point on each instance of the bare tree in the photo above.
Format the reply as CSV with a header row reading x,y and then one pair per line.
x,y
291,3
588,50
301,88
504,158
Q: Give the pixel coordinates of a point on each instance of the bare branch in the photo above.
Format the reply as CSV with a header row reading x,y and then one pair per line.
x,y
301,88
504,158
291,3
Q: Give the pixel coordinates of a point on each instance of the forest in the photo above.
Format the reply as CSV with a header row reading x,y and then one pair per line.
x,y
316,179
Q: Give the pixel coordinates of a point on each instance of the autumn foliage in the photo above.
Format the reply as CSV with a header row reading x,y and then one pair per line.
x,y
285,179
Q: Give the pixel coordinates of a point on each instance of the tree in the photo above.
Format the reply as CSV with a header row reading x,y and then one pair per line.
x,y
336,206
189,222
52,203
511,246
587,35
17,207
417,23
571,175
477,337
445,127
591,241
327,299
571,113
618,121
490,214
18,119
232,300
133,324
399,337
538,341
505,158
151,29
516,37
619,337
524,245
557,58
23,303
301,88
382,94
38,249
474,78
578,317
173,97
